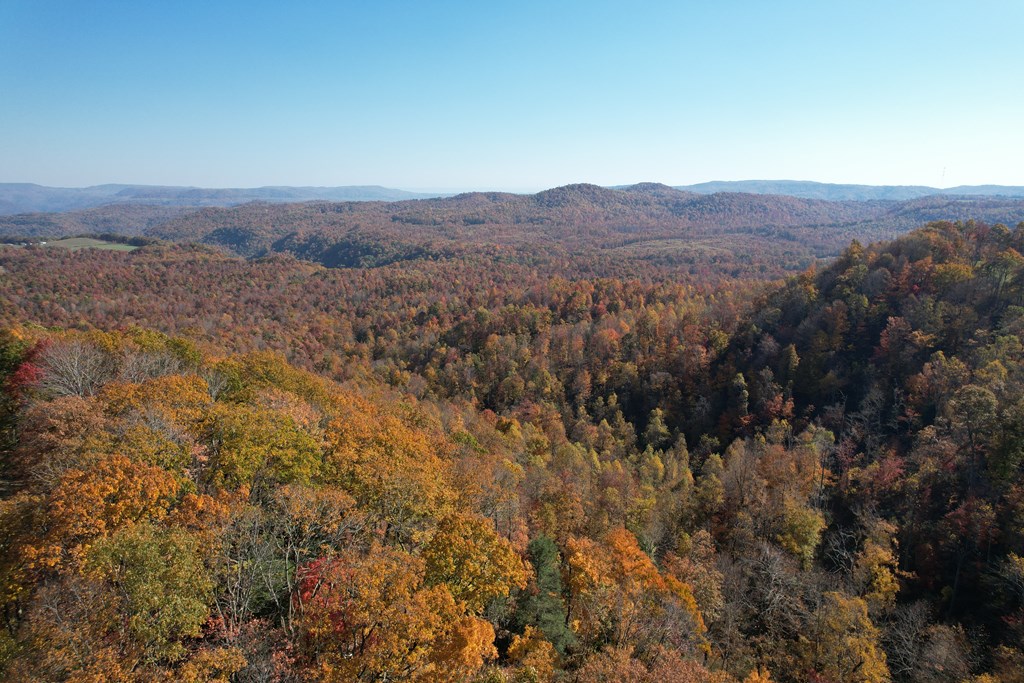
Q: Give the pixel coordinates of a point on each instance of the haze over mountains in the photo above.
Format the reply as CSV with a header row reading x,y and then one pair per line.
x,y
832,191
28,197
16,198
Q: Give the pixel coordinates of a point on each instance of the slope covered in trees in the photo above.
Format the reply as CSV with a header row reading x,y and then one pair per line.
x,y
646,227
519,476
131,220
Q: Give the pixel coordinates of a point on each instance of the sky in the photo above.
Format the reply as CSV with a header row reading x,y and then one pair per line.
x,y
519,96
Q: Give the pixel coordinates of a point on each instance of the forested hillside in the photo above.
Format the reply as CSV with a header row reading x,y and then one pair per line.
x,y
648,230
466,468
131,220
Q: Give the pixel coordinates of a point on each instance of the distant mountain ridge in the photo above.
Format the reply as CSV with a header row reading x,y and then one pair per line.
x,y
560,214
645,228
646,222
841,192
18,198
25,198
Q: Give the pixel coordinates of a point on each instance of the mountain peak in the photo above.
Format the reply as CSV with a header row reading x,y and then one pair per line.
x,y
577,193
648,187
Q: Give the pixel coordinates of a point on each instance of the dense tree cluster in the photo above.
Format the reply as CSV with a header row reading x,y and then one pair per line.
x,y
170,514
469,469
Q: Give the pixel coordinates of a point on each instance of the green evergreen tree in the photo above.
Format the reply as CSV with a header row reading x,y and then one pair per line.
x,y
541,604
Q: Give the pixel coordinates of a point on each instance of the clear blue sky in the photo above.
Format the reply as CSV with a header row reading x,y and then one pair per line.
x,y
510,95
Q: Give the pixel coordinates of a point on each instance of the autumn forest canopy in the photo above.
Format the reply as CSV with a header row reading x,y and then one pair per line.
x,y
586,435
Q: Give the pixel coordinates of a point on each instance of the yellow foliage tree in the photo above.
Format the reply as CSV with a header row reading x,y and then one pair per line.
x,y
758,675
257,446
392,469
475,563
179,399
369,617
617,593
843,643
533,657
87,505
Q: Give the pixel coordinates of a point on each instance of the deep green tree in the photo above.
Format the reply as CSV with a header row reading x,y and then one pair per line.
x,y
541,604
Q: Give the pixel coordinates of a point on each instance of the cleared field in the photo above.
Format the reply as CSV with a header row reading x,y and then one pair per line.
x,y
76,243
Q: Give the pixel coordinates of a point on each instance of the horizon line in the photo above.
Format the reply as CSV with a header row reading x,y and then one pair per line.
x,y
518,190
